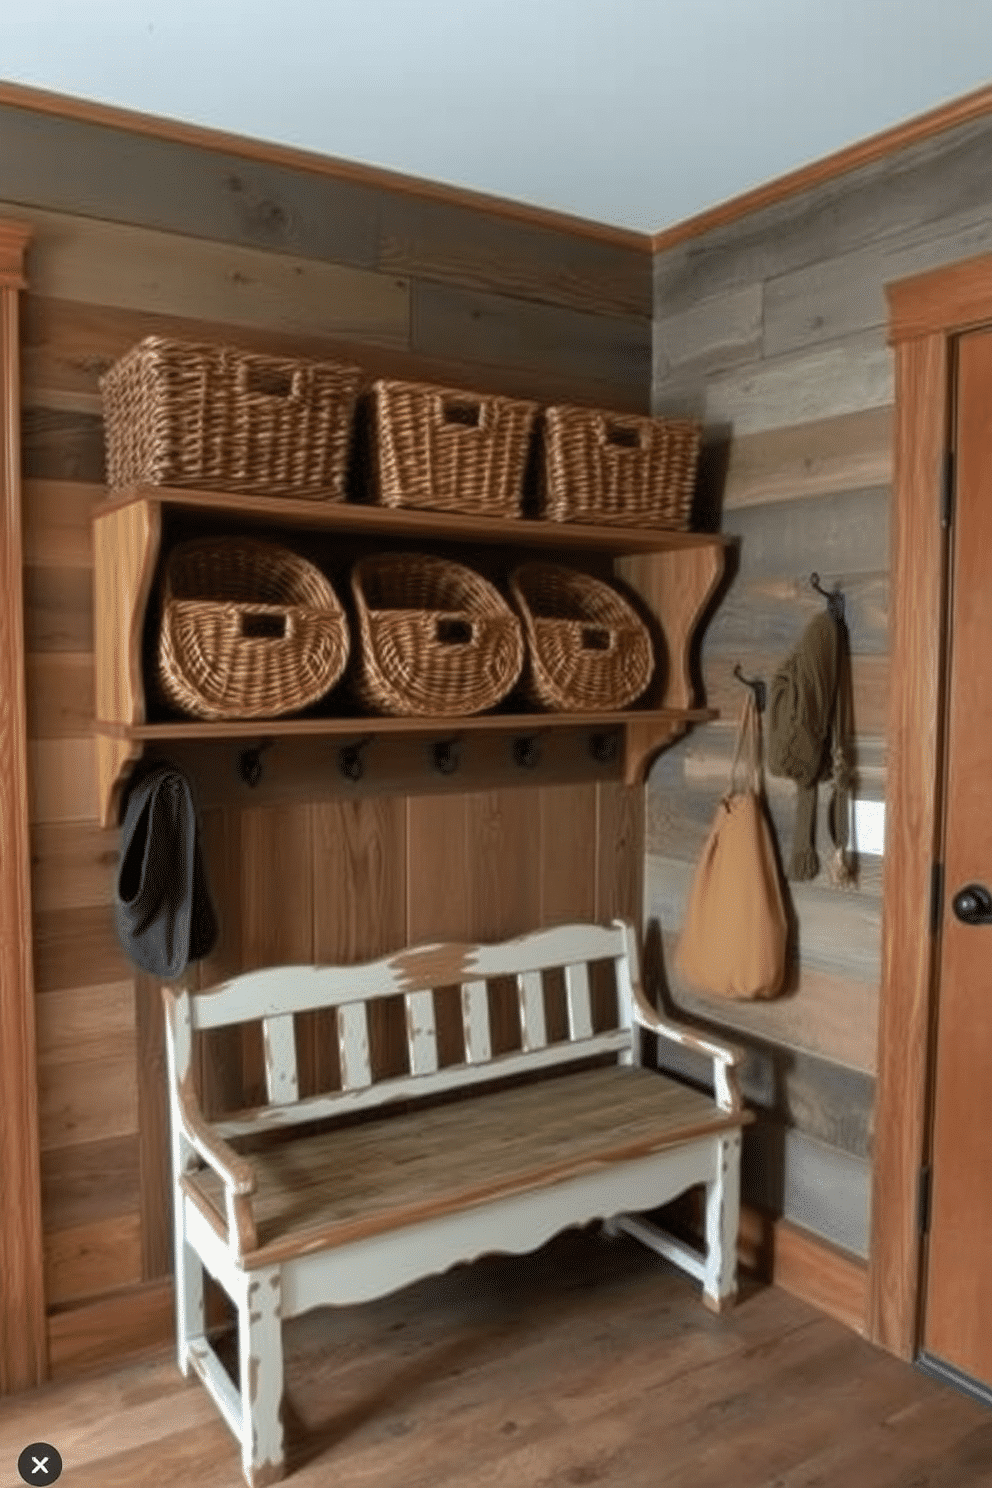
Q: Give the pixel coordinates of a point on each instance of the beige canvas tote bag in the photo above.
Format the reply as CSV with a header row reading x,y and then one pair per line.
x,y
733,942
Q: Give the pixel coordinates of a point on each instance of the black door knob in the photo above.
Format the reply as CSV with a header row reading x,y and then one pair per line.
x,y
973,905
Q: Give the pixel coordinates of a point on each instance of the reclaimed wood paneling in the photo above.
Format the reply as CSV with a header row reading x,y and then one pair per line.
x,y
717,333
90,1182
445,243
62,780
88,1100
84,1021
845,295
58,531
943,176
92,1259
72,866
133,268
58,614
818,383
61,691
359,894
851,452
609,350
568,836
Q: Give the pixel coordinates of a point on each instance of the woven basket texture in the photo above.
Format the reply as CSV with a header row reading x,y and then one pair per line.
x,y
189,414
614,467
587,651
248,630
436,638
446,450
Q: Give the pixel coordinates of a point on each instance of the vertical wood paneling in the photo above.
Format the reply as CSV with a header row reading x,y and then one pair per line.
x,y
359,893
23,1346
568,831
438,891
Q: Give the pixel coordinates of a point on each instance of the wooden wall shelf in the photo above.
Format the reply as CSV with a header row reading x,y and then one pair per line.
x,y
674,574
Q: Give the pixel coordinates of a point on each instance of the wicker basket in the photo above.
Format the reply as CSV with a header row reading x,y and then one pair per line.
x,y
248,630
436,639
450,451
587,649
185,414
616,467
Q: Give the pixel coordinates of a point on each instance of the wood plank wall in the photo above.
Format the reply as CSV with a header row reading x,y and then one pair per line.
x,y
773,328
136,235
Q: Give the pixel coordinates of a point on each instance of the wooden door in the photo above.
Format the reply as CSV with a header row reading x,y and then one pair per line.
x,y
957,1319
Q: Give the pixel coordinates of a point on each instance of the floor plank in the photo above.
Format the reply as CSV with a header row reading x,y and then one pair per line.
x,y
589,1362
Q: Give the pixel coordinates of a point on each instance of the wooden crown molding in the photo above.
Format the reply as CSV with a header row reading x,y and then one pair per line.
x,y
914,131
942,301
14,95
14,239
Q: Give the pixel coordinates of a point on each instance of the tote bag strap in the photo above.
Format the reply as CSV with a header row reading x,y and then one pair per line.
x,y
747,752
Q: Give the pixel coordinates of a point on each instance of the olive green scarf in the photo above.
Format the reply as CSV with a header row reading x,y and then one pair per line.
x,y
809,739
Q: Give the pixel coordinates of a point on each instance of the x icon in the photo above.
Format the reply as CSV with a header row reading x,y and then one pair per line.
x,y
40,1465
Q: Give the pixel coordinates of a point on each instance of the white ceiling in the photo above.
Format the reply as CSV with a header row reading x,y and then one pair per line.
x,y
638,113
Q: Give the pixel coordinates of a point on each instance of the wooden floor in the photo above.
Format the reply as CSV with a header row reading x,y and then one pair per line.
x,y
591,1362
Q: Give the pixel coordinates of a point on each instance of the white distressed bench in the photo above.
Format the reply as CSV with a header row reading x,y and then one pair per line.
x,y
342,1216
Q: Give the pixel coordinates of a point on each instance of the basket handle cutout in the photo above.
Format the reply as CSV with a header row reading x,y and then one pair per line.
x,y
453,632
270,382
596,638
255,627
464,411
621,436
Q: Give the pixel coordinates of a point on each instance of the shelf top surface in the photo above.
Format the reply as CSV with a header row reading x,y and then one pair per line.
x,y
354,517
351,728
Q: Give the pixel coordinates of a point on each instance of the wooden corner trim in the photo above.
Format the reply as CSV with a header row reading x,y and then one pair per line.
x,y
86,111
923,371
914,131
14,239
942,301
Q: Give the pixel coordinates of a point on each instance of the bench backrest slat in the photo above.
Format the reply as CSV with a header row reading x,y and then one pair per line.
x,y
421,1034
578,1001
279,1045
353,1046
475,1023
530,992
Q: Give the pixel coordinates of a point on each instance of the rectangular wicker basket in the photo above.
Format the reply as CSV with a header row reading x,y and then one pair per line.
x,y
618,467
449,450
190,414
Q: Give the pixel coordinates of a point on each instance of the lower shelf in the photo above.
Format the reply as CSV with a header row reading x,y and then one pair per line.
x,y
636,737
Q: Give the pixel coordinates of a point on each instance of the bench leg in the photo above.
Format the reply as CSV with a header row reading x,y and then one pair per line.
x,y
722,1224
261,1378
190,1323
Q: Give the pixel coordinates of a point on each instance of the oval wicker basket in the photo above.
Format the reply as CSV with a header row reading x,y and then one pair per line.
x,y
587,649
248,630
436,638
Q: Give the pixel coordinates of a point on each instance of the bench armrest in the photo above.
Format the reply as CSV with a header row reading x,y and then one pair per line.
x,y
235,1171
725,1057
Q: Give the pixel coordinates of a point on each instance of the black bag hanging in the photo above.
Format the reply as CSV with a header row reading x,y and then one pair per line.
x,y
162,907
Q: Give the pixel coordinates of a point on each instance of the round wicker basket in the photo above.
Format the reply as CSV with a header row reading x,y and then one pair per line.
x,y
436,638
587,649
249,630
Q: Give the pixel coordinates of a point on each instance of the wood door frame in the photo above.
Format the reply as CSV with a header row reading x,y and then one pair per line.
x,y
926,312
23,1341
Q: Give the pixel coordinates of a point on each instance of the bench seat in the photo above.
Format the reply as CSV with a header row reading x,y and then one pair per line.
x,y
317,1192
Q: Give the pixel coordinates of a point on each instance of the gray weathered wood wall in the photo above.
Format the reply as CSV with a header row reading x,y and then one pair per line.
x,y
773,328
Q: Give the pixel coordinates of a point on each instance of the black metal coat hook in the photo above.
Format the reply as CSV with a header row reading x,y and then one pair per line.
x,y
350,761
834,598
605,747
250,763
526,752
756,685
444,753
